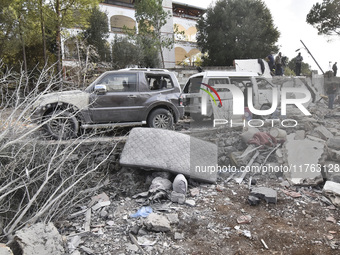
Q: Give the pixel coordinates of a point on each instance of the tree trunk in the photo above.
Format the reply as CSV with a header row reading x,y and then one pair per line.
x,y
58,40
42,23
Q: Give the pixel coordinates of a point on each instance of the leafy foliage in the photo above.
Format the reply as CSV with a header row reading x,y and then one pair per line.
x,y
305,68
325,17
151,17
96,34
125,53
236,29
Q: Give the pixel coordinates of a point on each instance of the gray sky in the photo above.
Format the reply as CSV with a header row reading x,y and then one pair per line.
x,y
290,18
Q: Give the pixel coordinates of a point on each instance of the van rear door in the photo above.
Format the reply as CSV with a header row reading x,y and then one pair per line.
x,y
192,95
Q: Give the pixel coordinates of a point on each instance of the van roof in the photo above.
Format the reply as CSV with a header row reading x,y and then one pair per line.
x,y
226,73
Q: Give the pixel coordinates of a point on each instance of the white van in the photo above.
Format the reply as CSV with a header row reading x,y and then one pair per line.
x,y
196,91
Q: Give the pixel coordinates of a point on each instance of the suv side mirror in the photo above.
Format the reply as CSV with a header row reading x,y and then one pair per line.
x,y
100,89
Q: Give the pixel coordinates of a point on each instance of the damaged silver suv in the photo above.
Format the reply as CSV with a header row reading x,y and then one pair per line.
x,y
127,97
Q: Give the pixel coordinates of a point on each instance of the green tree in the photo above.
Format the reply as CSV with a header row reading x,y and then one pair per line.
x,y
325,17
151,17
236,29
68,14
305,68
125,53
97,33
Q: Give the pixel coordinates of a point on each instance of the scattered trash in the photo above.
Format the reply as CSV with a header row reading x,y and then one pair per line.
x,y
142,212
244,219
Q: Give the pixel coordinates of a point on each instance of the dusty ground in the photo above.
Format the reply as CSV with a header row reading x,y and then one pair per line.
x,y
292,226
305,224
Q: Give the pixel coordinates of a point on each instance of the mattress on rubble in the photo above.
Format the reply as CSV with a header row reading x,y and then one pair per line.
x,y
159,149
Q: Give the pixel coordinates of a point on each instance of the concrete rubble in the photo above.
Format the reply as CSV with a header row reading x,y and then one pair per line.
x,y
332,191
227,212
40,239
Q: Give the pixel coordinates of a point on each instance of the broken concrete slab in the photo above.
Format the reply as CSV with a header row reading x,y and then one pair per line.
x,y
334,143
302,158
332,191
300,135
252,200
173,218
158,223
268,194
331,171
323,132
158,149
31,242
334,155
176,197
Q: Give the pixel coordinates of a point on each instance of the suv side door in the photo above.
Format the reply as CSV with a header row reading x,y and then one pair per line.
x,y
121,102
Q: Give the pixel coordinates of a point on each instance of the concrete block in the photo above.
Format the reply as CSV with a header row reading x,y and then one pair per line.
x,y
332,191
334,155
40,239
158,223
302,158
252,200
177,197
300,135
268,194
334,143
323,132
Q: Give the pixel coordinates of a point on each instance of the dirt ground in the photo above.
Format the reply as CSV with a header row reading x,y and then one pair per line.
x,y
301,222
303,225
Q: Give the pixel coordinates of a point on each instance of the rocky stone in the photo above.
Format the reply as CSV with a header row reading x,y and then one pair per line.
x,y
190,202
194,192
331,171
300,135
158,223
178,236
334,143
323,132
40,239
173,218
268,194
177,197
332,191
252,200
334,155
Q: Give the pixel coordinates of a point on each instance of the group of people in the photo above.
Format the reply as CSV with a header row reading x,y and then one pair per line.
x,y
278,64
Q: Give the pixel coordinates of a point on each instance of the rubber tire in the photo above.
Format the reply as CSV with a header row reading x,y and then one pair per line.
x,y
161,118
62,125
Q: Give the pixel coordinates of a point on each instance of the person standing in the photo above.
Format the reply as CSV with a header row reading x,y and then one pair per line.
x,y
331,95
298,63
278,64
271,62
335,68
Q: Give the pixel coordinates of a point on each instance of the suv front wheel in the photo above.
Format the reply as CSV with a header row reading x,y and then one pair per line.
x,y
62,125
161,118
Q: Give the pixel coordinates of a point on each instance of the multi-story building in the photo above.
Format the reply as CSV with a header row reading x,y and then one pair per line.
x,y
121,13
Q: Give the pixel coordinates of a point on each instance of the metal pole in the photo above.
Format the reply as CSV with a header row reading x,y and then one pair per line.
x,y
312,56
